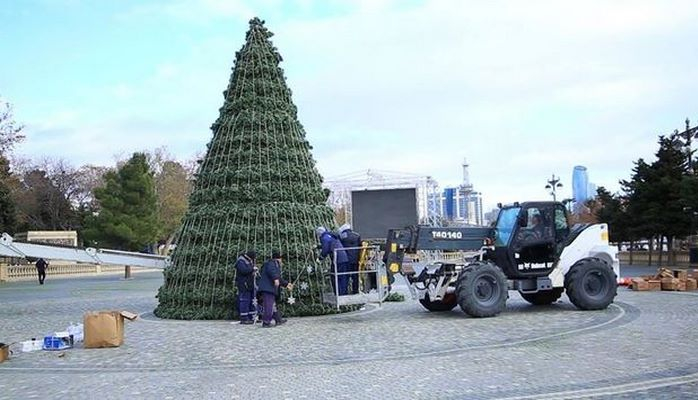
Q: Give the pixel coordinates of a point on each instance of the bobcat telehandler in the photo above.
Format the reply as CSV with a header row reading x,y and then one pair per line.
x,y
530,249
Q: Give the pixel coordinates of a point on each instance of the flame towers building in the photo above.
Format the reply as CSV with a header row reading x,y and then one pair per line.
x,y
580,186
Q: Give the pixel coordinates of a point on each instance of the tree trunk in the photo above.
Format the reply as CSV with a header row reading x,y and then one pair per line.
x,y
632,244
168,243
649,248
660,246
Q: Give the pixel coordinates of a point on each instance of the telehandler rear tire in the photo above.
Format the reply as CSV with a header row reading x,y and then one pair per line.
x,y
447,304
591,284
544,297
482,289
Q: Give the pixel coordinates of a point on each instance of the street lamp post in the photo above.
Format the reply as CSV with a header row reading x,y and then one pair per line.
x,y
568,203
692,215
688,135
553,184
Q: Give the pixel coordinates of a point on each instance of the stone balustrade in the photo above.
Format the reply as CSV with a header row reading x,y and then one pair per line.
x,y
680,258
24,272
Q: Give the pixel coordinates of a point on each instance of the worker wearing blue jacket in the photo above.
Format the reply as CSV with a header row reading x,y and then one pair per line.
x,y
245,282
352,243
331,246
269,285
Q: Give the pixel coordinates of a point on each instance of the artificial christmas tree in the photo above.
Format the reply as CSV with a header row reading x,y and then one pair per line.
x,y
257,189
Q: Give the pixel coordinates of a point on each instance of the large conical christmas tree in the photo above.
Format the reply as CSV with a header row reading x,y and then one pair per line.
x,y
256,189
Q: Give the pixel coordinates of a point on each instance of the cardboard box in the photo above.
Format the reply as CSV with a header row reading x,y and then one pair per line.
x,y
671,284
691,284
640,285
4,352
664,273
655,284
680,273
105,328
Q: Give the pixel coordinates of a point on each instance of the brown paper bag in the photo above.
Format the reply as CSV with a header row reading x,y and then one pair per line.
x,y
4,352
105,328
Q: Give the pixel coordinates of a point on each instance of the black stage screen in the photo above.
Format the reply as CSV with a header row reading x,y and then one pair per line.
x,y
376,211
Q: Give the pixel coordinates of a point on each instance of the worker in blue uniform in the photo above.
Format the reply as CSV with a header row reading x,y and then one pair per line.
x,y
245,281
331,246
269,285
352,245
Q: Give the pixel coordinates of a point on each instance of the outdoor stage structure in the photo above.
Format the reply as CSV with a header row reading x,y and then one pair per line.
x,y
374,201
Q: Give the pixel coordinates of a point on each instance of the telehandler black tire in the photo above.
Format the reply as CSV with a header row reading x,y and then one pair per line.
x,y
591,284
482,289
544,297
447,304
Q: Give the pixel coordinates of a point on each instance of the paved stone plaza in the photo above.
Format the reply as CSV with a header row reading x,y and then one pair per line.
x,y
644,346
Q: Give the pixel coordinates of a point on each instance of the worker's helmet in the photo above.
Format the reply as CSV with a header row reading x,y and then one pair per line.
x,y
345,227
320,230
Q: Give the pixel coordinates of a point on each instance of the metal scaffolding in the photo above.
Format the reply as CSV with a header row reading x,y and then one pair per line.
x,y
427,190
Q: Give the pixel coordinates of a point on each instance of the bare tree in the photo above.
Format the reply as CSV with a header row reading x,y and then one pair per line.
x,y
9,129
173,184
173,188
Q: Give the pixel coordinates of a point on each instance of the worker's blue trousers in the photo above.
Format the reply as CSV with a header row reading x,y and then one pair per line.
x,y
342,280
245,305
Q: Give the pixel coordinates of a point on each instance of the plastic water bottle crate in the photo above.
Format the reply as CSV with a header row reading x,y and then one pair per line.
x,y
58,343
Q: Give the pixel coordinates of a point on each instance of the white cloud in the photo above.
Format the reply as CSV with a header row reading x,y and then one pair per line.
x,y
522,89
123,91
192,11
100,142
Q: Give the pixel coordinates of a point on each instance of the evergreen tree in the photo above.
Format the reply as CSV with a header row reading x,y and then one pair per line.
x,y
257,188
127,217
656,194
670,168
8,211
689,195
609,208
641,211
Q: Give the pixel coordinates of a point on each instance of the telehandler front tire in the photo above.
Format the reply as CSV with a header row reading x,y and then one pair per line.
x,y
447,304
482,290
591,284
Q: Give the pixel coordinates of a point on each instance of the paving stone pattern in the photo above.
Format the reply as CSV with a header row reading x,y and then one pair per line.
x,y
644,346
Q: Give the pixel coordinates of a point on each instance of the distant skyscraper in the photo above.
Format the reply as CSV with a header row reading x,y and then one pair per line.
x,y
466,176
580,184
592,190
461,203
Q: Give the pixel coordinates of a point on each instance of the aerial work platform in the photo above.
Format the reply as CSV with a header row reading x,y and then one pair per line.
x,y
372,276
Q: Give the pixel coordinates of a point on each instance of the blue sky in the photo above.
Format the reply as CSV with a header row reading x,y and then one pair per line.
x,y
522,89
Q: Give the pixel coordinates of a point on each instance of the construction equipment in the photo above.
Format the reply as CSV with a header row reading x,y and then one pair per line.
x,y
531,249
374,281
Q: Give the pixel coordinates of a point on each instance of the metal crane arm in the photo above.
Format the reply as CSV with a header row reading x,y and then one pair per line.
x,y
414,238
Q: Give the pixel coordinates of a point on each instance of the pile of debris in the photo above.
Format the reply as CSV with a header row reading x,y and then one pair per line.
x,y
666,279
99,329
